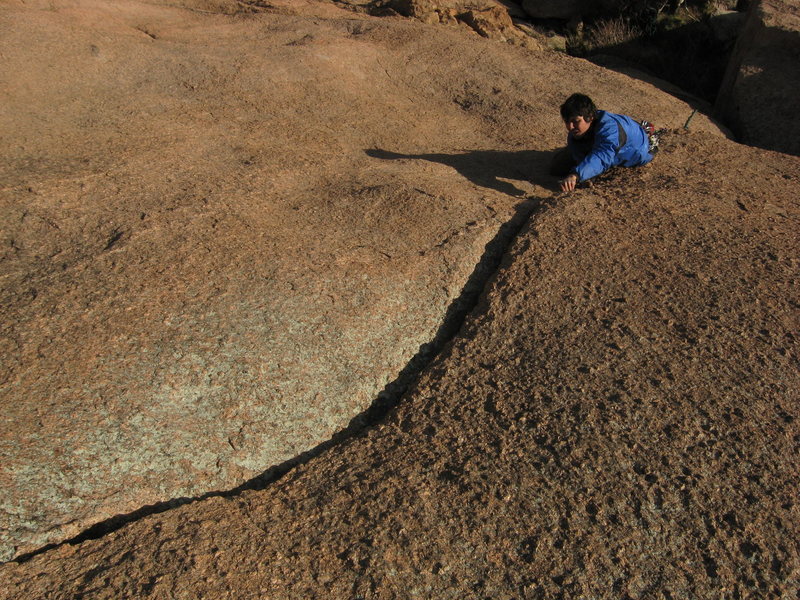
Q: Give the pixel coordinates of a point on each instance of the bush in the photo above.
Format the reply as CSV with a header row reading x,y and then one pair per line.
x,y
602,34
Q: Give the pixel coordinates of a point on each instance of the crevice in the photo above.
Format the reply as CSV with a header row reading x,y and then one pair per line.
x,y
386,400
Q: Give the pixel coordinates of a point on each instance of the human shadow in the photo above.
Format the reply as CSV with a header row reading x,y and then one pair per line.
x,y
488,168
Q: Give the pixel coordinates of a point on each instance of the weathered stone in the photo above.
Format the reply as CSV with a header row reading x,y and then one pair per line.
x,y
223,235
759,94
488,18
490,23
555,9
420,8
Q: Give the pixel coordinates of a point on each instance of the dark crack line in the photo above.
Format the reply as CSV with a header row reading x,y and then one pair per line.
x,y
389,398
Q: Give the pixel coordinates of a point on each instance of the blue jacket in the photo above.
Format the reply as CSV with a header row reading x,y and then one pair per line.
x,y
606,150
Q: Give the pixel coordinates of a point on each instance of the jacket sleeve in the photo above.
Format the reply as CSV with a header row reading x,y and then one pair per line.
x,y
604,151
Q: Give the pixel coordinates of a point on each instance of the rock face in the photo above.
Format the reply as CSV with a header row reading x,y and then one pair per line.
x,y
488,18
759,92
226,227
619,419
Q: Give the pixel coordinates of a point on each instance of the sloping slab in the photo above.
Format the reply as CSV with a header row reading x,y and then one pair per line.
x,y
759,92
619,419
224,234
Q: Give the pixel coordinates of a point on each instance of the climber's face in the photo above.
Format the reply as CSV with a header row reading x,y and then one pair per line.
x,y
578,126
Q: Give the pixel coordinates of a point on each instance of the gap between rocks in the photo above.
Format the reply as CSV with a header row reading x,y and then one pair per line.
x,y
385,401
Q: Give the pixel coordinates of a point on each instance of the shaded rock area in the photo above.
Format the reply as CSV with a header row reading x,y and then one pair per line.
x,y
488,18
227,226
555,9
618,419
760,89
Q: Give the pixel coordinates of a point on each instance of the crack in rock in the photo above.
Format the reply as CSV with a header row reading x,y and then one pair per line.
x,y
385,401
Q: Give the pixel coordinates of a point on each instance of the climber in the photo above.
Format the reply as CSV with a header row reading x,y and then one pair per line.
x,y
598,140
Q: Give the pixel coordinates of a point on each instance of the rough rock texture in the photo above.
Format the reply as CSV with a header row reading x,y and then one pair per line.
x,y
619,419
759,94
488,18
226,226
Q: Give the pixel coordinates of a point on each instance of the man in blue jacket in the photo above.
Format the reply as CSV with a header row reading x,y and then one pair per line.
x,y
598,140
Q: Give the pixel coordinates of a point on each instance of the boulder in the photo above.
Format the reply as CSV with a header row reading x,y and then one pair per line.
x,y
493,22
488,18
758,96
421,9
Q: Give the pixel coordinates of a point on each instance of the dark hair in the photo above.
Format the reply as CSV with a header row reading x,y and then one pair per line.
x,y
578,105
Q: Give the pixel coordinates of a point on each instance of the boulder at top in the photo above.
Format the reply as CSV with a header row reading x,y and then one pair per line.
x,y
226,227
759,95
488,18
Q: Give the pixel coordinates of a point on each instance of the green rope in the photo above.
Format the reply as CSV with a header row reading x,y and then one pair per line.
x,y
686,125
